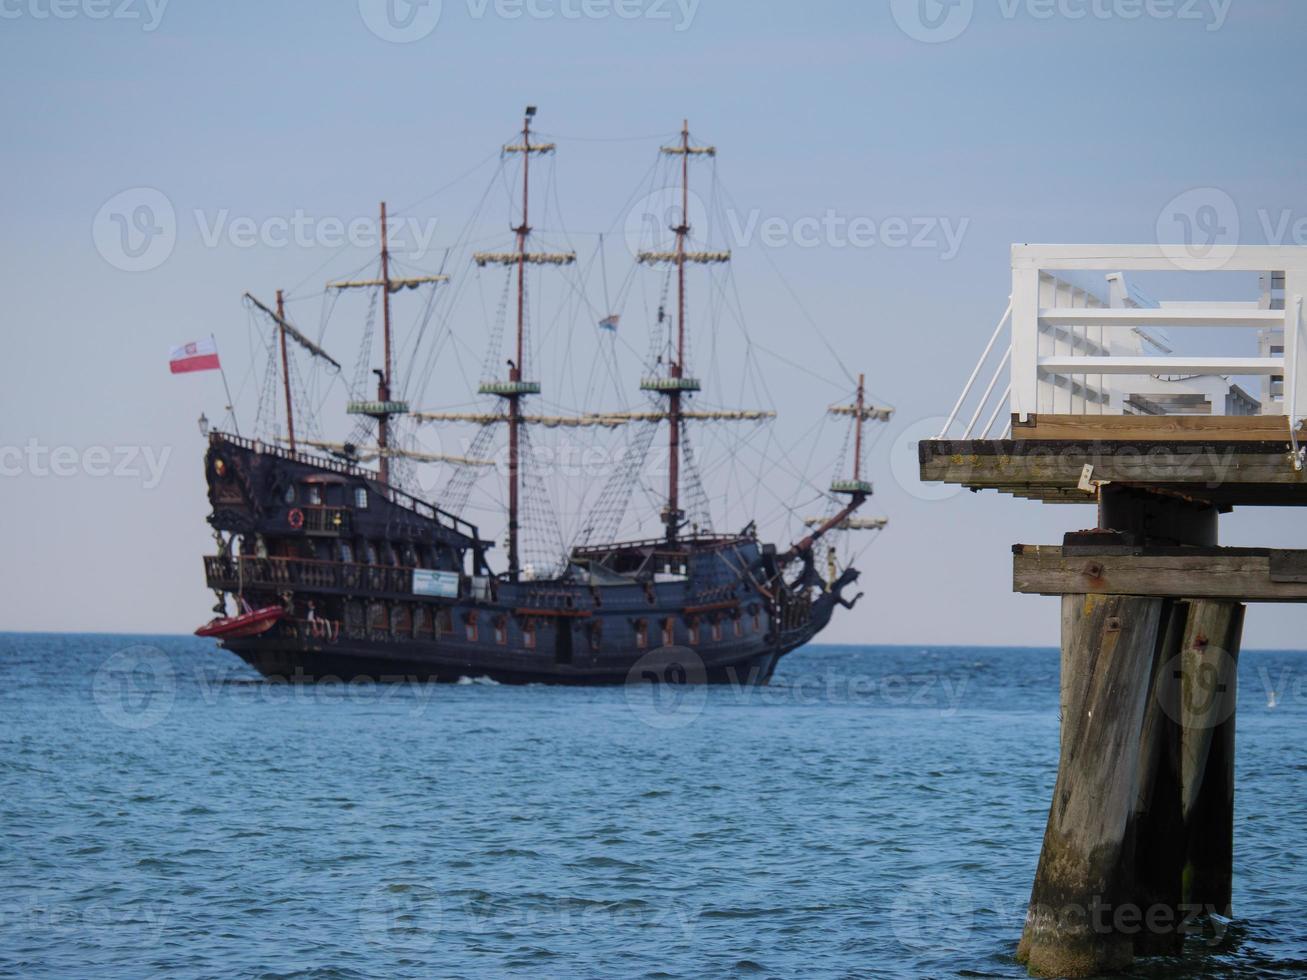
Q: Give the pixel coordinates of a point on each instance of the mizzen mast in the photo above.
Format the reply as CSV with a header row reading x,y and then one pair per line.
x,y
286,330
285,369
676,385
516,388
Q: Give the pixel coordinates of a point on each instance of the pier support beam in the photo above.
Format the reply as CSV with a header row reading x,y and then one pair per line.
x,y
1139,841
1160,845
1151,603
1140,838
1208,692
1086,869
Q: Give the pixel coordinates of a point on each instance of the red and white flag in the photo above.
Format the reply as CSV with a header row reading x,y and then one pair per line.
x,y
199,355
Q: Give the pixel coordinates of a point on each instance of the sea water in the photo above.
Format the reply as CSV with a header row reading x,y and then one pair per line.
x,y
875,812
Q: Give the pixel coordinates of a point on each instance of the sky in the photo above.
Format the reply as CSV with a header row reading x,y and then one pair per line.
x,y
881,157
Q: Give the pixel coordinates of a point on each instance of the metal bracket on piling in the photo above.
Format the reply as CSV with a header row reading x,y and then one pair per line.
x,y
1087,482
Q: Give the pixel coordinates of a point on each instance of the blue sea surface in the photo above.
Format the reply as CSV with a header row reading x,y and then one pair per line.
x,y
876,812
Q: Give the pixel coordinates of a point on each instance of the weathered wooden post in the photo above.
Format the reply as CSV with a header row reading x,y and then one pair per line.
x,y
1139,839
1086,868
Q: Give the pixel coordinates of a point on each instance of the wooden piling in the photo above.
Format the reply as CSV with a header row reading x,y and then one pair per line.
x,y
1160,843
1141,828
1209,688
1086,869
1139,840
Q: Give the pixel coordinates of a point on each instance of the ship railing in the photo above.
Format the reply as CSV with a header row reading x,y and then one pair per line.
x,y
306,573
431,512
395,496
659,545
1083,340
269,449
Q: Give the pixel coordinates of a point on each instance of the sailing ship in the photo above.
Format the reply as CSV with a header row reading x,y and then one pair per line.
x,y
337,571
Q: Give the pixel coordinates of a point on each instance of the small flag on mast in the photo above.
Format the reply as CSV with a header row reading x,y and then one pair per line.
x,y
610,322
199,355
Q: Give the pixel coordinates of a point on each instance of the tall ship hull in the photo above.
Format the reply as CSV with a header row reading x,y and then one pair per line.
x,y
336,571
700,612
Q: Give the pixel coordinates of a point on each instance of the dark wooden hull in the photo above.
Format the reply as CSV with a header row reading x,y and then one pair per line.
x,y
357,661
378,585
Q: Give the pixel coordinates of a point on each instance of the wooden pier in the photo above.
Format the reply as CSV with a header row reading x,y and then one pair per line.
x,y
1138,847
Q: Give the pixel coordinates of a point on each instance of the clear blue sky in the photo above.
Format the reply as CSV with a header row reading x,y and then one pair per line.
x,y
1033,124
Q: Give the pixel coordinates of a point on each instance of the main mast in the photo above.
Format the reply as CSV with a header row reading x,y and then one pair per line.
x,y
674,514
383,382
515,366
676,384
516,388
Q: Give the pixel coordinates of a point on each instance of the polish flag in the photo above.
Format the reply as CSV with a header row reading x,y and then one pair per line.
x,y
200,355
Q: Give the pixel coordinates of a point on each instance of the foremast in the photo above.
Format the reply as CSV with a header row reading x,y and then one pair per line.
x,y
856,489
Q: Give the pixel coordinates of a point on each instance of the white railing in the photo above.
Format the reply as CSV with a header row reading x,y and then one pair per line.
x,y
1083,341
1037,271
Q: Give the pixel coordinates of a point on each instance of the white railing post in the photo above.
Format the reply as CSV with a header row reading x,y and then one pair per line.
x,y
1025,341
1295,397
